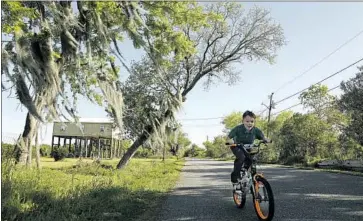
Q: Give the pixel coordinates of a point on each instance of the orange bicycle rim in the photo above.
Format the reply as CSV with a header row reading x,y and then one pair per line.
x,y
257,204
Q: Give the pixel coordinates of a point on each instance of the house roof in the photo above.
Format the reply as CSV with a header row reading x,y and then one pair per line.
x,y
93,120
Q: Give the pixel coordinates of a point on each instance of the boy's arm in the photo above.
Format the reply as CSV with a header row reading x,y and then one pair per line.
x,y
231,135
261,136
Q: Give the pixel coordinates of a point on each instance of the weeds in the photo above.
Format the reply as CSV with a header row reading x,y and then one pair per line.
x,y
85,190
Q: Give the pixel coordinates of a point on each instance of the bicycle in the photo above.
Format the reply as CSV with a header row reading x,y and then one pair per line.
x,y
255,184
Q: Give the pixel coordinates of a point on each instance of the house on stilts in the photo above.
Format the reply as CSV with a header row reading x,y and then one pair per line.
x,y
100,138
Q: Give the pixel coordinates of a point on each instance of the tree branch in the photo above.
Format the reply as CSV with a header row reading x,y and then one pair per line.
x,y
150,52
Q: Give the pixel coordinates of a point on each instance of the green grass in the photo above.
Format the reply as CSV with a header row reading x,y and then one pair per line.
x,y
86,190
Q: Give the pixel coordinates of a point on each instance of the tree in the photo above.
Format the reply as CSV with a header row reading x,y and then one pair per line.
x,y
317,134
194,151
172,141
226,36
270,154
277,122
350,148
306,136
217,148
318,99
54,51
232,120
314,135
351,103
325,106
235,118
62,50
178,141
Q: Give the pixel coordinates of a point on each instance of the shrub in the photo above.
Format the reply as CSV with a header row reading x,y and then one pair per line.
x,y
290,160
7,151
143,153
59,153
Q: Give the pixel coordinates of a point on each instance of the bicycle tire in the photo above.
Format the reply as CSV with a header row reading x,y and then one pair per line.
x,y
256,204
240,204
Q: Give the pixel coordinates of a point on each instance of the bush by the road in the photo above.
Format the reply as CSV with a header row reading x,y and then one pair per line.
x,y
195,151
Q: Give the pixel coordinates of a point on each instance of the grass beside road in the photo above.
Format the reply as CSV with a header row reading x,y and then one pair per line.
x,y
86,190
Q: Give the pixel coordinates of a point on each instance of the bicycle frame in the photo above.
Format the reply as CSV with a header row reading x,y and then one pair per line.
x,y
253,167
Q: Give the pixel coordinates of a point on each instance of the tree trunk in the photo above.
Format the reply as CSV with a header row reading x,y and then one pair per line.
x,y
30,150
24,145
164,153
140,141
131,151
33,133
37,146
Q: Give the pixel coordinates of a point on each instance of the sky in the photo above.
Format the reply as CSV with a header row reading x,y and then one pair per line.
x,y
313,30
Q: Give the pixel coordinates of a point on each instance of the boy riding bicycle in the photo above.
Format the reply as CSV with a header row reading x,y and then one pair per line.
x,y
246,133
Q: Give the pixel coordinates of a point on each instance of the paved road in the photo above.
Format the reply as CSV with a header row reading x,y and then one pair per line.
x,y
204,193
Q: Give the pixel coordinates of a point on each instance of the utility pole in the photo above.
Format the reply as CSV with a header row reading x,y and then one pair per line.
x,y
269,107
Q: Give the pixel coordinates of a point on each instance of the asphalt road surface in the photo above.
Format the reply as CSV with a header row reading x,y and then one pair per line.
x,y
203,192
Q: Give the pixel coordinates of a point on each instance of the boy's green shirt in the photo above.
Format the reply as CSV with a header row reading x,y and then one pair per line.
x,y
241,135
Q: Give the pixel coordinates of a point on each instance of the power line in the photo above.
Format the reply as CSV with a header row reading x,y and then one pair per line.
x,y
334,88
295,105
319,62
213,125
260,112
319,81
309,69
214,118
209,118
202,125
274,103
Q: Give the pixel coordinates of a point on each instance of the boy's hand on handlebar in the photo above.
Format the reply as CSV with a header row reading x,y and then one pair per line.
x,y
266,140
230,142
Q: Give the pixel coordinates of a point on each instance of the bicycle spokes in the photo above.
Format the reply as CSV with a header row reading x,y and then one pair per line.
x,y
261,200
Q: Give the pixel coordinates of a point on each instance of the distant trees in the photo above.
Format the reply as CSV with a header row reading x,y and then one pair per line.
x,y
331,128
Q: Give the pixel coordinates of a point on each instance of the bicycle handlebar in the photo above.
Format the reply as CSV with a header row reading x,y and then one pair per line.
x,y
249,146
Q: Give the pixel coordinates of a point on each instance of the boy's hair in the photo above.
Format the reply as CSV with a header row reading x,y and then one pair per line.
x,y
248,113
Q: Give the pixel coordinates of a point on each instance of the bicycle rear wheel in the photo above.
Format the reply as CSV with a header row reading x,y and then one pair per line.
x,y
263,194
239,198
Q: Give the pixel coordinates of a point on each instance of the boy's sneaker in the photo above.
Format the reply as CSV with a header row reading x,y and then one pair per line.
x,y
236,186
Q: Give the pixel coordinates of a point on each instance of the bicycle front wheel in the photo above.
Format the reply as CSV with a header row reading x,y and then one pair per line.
x,y
263,199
